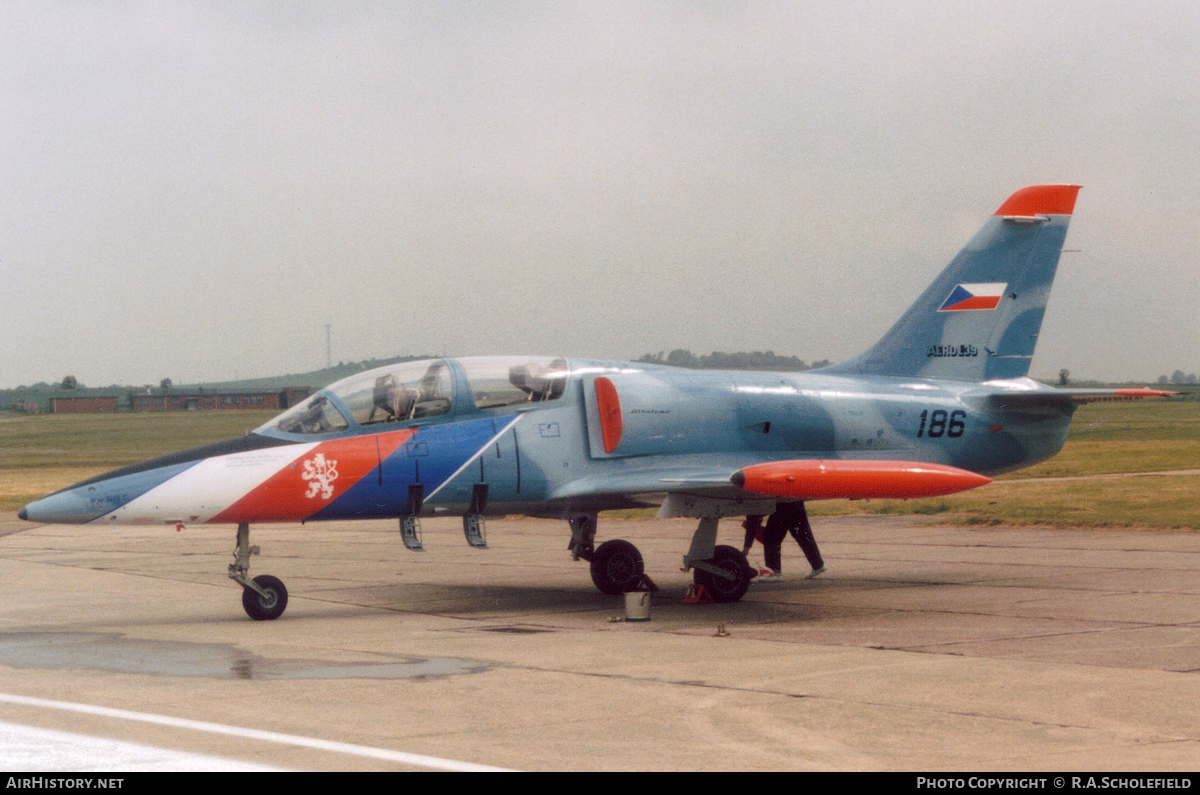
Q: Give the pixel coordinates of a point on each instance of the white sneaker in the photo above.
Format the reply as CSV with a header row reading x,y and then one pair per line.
x,y
814,573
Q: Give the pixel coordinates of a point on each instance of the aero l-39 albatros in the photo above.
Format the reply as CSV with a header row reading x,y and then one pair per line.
x,y
937,405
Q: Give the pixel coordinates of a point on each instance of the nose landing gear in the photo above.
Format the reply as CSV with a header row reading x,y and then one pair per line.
x,y
264,598
267,601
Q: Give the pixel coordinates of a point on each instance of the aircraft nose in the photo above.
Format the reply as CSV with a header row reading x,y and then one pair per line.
x,y
71,506
91,499
61,508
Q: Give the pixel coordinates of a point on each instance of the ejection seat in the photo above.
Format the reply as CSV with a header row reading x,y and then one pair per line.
x,y
393,398
539,382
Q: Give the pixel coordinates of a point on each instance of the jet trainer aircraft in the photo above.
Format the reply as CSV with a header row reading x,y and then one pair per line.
x,y
937,405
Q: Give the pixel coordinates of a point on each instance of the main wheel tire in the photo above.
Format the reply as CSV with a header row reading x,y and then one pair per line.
x,y
617,567
722,590
265,608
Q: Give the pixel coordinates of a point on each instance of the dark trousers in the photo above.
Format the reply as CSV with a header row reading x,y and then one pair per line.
x,y
789,517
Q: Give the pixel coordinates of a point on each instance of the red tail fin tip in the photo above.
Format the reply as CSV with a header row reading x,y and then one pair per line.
x,y
1041,200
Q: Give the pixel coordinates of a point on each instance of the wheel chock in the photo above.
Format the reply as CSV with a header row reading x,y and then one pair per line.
x,y
698,595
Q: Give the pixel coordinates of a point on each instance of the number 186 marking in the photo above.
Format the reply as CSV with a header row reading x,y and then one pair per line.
x,y
934,424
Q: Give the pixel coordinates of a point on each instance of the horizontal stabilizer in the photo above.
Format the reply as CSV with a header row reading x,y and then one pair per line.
x,y
1069,398
855,480
1096,395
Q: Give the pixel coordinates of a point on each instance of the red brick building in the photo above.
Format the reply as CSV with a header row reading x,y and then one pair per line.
x,y
172,400
71,405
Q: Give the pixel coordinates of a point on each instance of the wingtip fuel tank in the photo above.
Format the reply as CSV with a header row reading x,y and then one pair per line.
x,y
855,480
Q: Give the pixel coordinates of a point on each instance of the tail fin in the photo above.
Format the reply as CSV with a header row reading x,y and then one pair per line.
x,y
980,318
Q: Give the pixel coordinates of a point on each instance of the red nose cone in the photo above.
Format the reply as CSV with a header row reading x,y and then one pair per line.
x,y
855,480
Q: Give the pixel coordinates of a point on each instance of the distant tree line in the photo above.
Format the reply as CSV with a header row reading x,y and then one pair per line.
x,y
742,360
1178,377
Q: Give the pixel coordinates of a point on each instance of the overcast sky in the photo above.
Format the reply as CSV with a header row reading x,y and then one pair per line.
x,y
193,190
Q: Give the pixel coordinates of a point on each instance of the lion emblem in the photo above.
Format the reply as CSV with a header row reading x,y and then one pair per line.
x,y
320,472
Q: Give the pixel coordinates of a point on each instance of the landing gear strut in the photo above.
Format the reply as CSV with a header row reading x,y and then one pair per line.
x,y
723,571
265,597
583,536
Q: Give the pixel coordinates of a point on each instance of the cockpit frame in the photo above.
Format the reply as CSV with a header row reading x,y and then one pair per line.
x,y
421,392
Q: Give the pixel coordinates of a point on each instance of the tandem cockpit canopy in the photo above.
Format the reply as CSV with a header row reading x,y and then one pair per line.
x,y
425,389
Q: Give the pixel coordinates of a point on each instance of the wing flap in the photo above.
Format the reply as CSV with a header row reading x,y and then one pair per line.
x,y
649,480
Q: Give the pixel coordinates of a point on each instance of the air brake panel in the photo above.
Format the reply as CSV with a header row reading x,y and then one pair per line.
x,y
634,413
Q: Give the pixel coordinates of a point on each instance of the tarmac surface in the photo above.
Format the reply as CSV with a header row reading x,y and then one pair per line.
x,y
924,647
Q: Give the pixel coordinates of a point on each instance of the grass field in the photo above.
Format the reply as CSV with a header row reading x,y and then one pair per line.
x,y
40,454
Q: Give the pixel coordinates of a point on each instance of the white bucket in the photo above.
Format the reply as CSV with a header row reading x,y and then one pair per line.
x,y
637,606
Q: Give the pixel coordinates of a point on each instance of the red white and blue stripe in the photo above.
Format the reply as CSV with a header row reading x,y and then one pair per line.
x,y
342,478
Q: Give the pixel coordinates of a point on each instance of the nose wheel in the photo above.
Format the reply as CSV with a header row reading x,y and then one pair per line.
x,y
267,603
265,597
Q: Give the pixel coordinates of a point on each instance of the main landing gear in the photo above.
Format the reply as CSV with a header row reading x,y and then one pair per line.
x,y
617,565
723,571
265,597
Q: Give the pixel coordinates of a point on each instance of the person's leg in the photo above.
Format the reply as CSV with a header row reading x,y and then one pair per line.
x,y
801,530
752,526
773,535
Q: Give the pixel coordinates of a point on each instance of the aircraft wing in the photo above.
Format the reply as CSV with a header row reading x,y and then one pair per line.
x,y
804,479
651,480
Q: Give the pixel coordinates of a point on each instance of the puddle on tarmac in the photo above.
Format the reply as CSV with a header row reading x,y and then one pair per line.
x,y
117,653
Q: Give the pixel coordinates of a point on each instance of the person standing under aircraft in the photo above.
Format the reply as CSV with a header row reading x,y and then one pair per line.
x,y
753,527
789,517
